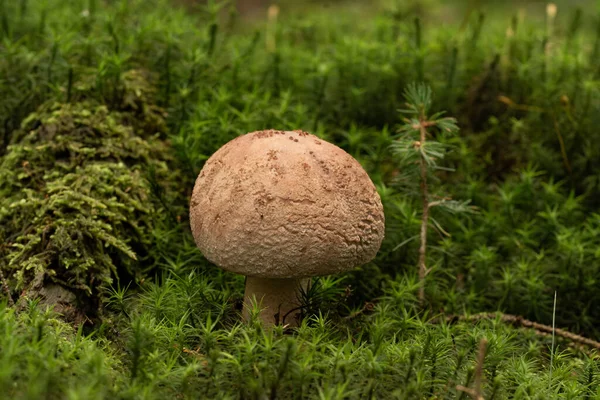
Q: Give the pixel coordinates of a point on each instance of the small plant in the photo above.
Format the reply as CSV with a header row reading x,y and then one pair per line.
x,y
418,154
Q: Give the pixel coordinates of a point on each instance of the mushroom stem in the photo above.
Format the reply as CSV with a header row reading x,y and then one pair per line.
x,y
278,299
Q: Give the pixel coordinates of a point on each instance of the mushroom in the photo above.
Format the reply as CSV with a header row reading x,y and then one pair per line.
x,y
280,207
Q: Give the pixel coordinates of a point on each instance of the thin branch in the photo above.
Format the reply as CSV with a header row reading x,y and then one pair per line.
x,y
436,203
470,392
479,371
525,323
553,333
476,393
425,217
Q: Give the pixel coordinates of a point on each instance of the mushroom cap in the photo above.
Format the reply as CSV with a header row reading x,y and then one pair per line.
x,y
277,204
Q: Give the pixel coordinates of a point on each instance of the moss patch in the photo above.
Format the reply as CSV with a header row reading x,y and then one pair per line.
x,y
80,189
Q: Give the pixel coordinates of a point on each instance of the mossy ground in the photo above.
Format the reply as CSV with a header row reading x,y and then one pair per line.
x,y
109,110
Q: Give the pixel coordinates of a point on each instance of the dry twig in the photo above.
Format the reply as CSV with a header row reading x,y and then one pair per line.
x,y
425,217
520,321
476,393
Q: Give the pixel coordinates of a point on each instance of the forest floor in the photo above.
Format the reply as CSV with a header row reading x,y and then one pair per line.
x,y
110,109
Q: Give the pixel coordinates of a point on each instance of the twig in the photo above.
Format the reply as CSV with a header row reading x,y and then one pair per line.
x,y
520,321
479,371
438,202
476,393
470,392
553,333
425,217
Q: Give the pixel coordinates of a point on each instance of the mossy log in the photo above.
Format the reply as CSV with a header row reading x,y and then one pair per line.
x,y
78,201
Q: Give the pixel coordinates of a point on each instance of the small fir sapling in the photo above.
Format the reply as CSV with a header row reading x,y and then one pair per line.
x,y
418,154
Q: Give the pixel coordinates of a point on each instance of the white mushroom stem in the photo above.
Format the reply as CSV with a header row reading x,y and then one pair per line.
x,y
278,299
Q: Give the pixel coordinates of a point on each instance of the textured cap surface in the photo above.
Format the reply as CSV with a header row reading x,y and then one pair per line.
x,y
277,204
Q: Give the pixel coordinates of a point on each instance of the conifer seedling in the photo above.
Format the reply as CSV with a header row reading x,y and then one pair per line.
x,y
419,155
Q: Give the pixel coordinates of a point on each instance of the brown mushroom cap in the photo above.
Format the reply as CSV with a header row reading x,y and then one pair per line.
x,y
277,204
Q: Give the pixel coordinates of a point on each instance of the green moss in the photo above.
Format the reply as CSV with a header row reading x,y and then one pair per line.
x,y
77,202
